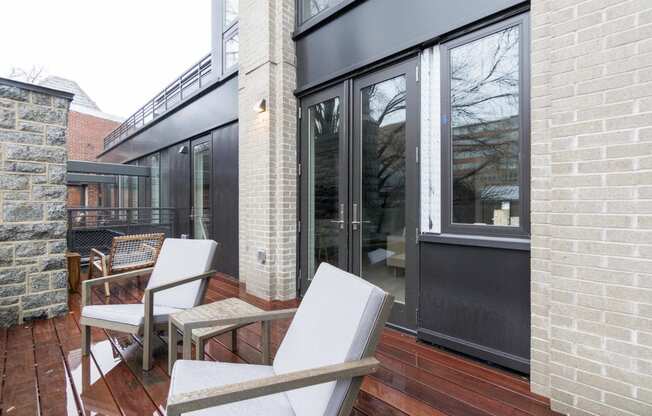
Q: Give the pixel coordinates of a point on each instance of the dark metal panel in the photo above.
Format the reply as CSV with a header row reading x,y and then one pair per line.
x,y
225,198
177,173
476,300
375,29
83,178
95,168
214,108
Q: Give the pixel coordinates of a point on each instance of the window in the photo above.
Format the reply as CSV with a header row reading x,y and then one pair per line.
x,y
311,8
231,46
230,37
230,12
485,137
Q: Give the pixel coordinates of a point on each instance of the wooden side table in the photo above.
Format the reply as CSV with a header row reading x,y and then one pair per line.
x,y
227,308
73,261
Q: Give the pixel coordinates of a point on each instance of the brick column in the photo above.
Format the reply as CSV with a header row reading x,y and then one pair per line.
x,y
592,205
267,150
33,279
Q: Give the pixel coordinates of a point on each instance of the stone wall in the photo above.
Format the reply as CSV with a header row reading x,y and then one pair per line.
x,y
592,205
267,153
33,278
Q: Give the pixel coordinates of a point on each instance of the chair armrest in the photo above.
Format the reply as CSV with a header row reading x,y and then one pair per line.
x,y
205,398
244,319
98,253
87,284
180,282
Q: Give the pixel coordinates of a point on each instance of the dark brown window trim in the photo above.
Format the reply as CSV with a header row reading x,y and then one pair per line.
x,y
448,227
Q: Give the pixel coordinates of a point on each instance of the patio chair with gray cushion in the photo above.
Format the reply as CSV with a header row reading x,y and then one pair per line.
x,y
177,282
129,252
318,368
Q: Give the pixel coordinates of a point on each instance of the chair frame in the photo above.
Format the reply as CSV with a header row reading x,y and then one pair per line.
x,y
106,260
355,370
148,327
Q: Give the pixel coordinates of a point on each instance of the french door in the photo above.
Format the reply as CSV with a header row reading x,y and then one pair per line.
x,y
359,183
201,174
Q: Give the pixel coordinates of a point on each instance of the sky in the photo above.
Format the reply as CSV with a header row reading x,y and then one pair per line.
x,y
121,52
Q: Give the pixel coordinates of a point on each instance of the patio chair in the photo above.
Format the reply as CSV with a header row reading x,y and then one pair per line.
x,y
178,281
129,252
318,368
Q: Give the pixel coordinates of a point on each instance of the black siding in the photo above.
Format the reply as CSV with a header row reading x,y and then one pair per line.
x,y
477,300
375,29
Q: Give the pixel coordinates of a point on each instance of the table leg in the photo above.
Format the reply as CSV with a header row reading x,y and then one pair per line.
x,y
266,341
199,349
187,343
172,346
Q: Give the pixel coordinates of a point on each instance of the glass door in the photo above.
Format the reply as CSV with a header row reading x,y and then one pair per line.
x,y
200,212
324,190
359,184
384,185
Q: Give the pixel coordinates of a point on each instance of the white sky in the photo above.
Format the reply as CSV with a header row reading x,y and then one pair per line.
x,y
121,52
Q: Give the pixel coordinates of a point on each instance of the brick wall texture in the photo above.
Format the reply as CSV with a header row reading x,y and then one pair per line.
x,y
267,152
86,135
592,205
33,278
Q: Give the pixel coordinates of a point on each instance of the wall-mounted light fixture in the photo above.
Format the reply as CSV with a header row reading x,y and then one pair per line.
x,y
261,106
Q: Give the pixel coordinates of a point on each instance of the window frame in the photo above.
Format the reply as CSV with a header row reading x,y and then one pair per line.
x,y
226,36
448,226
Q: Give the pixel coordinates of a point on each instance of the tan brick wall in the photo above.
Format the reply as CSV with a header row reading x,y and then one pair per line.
x,y
592,205
267,148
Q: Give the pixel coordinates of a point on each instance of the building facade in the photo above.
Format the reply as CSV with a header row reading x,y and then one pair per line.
x,y
486,162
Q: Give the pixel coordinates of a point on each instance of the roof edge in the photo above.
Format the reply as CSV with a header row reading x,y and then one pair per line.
x,y
37,88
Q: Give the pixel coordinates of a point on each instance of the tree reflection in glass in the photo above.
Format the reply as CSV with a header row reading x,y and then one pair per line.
x,y
323,187
383,118
485,124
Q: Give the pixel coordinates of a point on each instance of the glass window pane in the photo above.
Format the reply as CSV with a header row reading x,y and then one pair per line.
x,y
383,185
485,130
324,203
230,12
312,8
201,191
231,46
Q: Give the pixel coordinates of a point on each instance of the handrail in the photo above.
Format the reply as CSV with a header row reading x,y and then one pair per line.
x,y
169,97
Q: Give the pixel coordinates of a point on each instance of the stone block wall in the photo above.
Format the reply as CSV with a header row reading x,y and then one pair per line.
x,y
592,205
267,153
33,277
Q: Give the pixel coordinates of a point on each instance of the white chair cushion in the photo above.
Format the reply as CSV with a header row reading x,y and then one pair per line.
x,y
189,376
130,314
332,326
180,258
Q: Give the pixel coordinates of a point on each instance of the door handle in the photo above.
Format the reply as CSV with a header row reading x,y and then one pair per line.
x,y
356,222
340,222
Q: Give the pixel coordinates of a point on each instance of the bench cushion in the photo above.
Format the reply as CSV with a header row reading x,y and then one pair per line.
x,y
332,326
130,314
180,258
189,376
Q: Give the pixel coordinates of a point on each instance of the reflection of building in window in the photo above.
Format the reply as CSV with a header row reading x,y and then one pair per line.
x,y
485,130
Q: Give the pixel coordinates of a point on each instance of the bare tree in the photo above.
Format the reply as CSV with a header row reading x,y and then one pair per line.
x,y
32,75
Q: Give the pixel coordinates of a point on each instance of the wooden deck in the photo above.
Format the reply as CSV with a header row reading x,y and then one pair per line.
x,y
43,372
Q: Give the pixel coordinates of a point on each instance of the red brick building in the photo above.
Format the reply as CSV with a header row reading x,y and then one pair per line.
x,y
87,127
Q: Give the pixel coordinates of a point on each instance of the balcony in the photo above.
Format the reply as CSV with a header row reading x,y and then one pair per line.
x,y
185,86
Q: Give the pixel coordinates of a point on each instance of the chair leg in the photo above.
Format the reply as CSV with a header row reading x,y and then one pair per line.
x,y
85,339
172,346
234,340
199,349
107,291
265,341
148,335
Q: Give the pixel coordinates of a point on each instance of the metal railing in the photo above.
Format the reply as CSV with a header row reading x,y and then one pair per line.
x,y
190,81
95,227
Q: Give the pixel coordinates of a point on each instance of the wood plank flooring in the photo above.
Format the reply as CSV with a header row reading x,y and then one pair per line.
x,y
43,372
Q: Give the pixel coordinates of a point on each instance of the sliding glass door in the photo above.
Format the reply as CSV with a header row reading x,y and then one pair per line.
x,y
359,185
